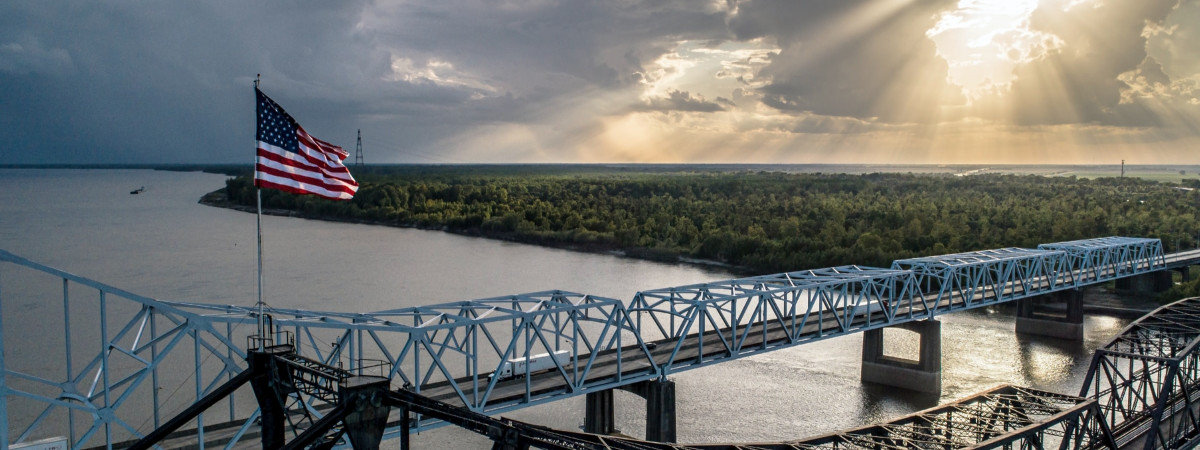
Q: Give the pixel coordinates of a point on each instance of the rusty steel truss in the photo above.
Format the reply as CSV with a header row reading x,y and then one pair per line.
x,y
1147,379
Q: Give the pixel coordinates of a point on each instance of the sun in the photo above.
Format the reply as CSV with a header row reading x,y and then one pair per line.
x,y
983,40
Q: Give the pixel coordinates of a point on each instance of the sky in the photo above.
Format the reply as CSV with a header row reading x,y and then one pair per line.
x,y
621,81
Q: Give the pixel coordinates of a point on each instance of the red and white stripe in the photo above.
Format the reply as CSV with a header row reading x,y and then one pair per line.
x,y
317,169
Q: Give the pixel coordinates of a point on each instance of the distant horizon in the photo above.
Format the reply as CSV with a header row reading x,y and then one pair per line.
x,y
599,164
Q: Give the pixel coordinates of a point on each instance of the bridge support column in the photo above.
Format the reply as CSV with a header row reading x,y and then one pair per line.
x,y
1185,273
363,396
660,410
405,424
271,385
1065,325
599,416
923,375
1147,282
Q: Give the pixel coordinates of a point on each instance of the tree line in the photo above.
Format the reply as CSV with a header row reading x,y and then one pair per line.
x,y
758,222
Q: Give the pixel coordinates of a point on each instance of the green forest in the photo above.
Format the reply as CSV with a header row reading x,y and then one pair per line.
x,y
756,222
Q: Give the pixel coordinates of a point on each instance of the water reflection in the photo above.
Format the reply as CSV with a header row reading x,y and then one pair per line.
x,y
879,403
1046,360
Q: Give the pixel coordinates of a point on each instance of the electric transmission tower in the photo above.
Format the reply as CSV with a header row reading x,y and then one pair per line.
x,y
358,158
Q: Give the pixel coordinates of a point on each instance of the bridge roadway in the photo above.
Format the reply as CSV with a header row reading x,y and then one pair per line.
x,y
677,354
775,336
1143,408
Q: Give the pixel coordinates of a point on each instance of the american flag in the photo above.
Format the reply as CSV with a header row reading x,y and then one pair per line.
x,y
291,160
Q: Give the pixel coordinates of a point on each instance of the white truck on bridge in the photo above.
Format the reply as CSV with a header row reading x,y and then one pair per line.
x,y
515,367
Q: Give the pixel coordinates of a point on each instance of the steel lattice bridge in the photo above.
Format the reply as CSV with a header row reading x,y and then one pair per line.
x,y
447,354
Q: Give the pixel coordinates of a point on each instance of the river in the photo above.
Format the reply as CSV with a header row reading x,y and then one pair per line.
x,y
163,244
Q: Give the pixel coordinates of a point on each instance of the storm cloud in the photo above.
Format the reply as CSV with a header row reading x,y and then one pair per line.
x,y
561,81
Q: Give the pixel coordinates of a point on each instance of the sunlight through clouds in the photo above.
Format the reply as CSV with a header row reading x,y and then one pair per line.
x,y
709,71
983,40
434,71
853,81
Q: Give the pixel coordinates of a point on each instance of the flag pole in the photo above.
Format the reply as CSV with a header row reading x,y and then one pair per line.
x,y
262,335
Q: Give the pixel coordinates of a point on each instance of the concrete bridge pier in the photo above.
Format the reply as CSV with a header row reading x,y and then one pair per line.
x,y
922,375
660,410
1147,282
599,417
1067,324
1185,273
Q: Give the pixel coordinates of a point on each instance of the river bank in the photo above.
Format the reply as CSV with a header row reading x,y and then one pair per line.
x,y
1103,299
220,199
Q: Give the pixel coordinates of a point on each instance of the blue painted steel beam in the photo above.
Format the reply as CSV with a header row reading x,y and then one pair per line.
x,y
968,280
740,317
448,350
1109,258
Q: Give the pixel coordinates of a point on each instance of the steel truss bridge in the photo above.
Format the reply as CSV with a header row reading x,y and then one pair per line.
x,y
149,349
1147,379
1003,417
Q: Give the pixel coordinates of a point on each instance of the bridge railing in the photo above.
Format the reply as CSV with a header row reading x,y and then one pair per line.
x,y
158,357
739,317
1147,379
460,345
114,364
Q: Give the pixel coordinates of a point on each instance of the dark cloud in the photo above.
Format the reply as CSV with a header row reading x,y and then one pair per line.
x,y
684,101
142,82
158,82
111,81
859,59
538,45
831,125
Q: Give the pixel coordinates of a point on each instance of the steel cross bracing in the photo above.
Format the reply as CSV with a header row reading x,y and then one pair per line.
x,y
149,348
1003,417
967,280
446,351
313,378
705,323
1102,259
1147,379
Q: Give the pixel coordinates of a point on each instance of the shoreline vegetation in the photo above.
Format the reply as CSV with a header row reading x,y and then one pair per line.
x,y
749,222
220,199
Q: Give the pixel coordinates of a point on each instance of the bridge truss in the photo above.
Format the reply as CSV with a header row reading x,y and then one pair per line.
x,y
450,349
1004,417
1147,379
741,317
357,408
149,348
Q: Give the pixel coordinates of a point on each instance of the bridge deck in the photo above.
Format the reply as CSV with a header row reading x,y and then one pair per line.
x,y
774,336
614,367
